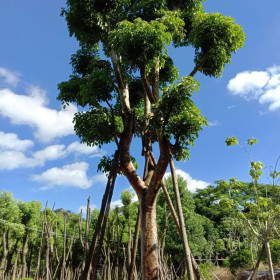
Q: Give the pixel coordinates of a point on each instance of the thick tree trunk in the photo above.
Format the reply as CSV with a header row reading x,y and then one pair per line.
x,y
182,222
149,240
269,260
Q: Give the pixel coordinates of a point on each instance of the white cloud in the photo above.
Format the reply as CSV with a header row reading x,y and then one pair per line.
x,y
79,148
12,148
84,208
52,152
261,85
99,178
214,123
10,141
14,159
11,78
116,203
192,184
31,110
71,175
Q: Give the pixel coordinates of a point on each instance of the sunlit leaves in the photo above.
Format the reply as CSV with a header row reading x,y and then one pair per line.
x,y
177,115
215,37
252,141
256,170
139,42
231,141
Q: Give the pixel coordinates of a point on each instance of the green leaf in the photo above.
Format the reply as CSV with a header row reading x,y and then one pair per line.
x,y
231,141
252,141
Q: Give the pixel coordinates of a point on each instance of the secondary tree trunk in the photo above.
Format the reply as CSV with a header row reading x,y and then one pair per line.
x,y
182,222
269,260
149,240
255,272
24,253
4,253
134,250
15,265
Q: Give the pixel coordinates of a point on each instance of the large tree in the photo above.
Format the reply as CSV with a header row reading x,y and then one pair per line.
x,y
134,90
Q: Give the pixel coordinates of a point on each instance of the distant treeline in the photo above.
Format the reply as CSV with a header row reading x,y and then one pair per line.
x,y
40,242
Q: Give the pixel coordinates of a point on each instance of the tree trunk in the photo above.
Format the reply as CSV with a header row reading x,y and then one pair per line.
x,y
149,240
182,222
255,272
134,250
15,266
4,254
24,253
269,260
91,252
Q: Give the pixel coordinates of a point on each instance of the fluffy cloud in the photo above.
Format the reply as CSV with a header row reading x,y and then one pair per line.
x,y
52,152
10,78
10,141
84,208
79,148
116,204
261,85
32,110
12,156
13,159
193,184
71,175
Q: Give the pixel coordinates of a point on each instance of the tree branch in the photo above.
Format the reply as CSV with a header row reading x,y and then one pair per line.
x,y
127,166
252,228
146,84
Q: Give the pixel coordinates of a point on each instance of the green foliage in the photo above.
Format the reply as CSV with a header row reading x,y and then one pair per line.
x,y
92,82
140,42
205,269
139,32
240,259
252,141
103,126
215,37
231,141
182,121
256,170
275,250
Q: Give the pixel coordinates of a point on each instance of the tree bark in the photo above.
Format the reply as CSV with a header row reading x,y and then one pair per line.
x,y
269,260
24,253
4,253
96,257
134,250
15,266
149,239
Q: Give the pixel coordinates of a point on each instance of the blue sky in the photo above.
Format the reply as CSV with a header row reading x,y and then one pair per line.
x,y
41,158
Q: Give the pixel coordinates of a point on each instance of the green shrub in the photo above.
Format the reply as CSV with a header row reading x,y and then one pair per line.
x,y
239,259
205,270
275,250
